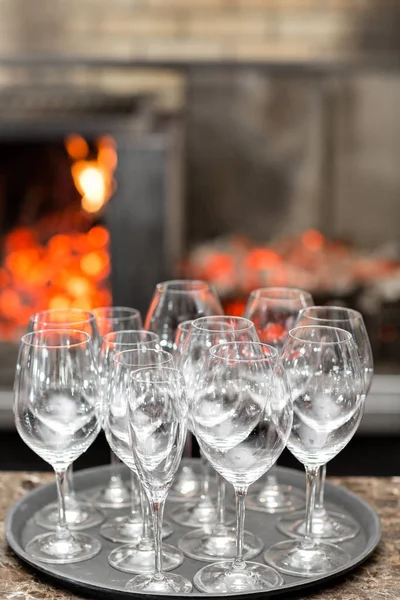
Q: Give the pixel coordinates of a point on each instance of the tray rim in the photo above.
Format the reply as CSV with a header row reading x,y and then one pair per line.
x,y
78,587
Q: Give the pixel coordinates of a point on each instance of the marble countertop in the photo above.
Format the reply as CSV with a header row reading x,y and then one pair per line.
x,y
377,579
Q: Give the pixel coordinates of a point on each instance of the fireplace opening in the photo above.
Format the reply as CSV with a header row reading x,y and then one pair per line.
x,y
334,271
54,241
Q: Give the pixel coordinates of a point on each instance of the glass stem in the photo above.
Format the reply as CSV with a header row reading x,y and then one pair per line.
x,y
145,514
134,496
319,495
62,531
221,499
115,479
69,486
311,481
272,479
206,475
240,494
158,511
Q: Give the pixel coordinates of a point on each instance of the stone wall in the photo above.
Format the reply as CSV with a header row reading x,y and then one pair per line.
x,y
205,30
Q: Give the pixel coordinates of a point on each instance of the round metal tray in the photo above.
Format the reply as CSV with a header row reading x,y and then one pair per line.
x,y
97,578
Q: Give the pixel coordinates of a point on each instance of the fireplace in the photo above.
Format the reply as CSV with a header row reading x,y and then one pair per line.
x,y
89,200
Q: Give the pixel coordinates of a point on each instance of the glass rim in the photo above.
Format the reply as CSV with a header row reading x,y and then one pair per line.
x,y
317,308
273,352
185,325
155,337
194,285
135,376
292,293
50,311
26,339
117,357
347,335
128,310
222,318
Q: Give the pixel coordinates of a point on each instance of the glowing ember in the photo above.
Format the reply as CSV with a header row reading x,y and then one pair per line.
x,y
69,271
308,261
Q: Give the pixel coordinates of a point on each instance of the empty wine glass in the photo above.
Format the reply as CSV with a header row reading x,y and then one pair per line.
x,y
176,301
80,514
109,319
215,539
138,555
57,410
173,302
124,528
157,426
327,383
241,414
328,525
274,311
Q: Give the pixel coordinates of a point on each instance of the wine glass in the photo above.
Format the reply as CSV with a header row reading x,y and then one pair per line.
x,y
173,302
138,555
327,382
157,427
332,526
241,414
117,318
57,410
123,528
214,539
274,311
176,301
109,319
80,514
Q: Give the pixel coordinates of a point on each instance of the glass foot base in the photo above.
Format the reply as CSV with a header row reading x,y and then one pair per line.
x,y
292,558
203,513
49,549
328,526
113,497
276,499
219,544
124,530
224,578
186,485
163,584
139,558
79,515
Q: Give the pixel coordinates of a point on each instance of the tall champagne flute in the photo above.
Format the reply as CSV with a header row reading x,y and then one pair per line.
x,y
241,414
214,539
173,302
328,525
80,514
123,528
274,311
327,382
109,319
138,555
157,426
57,408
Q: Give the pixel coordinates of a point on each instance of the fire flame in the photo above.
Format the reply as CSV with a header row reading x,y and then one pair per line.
x,y
93,178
